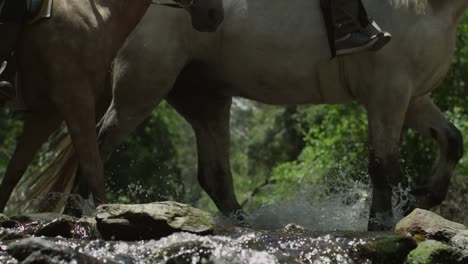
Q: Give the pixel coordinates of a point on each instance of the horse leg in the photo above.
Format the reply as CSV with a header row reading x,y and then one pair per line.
x,y
79,115
36,131
209,116
425,117
129,108
386,114
117,123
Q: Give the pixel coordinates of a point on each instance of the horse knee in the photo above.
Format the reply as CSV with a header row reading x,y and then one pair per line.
x,y
209,177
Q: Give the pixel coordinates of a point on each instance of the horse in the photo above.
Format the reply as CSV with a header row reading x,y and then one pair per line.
x,y
63,66
276,52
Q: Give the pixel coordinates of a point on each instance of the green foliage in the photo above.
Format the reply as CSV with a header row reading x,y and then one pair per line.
x,y
335,146
10,127
145,167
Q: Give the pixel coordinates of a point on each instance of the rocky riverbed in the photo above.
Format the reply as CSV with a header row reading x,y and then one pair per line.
x,y
170,232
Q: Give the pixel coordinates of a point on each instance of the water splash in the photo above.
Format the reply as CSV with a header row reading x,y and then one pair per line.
x,y
345,208
333,211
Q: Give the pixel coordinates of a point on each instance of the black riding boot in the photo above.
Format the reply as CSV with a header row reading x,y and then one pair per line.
x,y
7,90
353,30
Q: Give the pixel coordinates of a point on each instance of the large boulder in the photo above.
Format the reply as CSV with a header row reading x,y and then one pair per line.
x,y
38,250
431,251
150,221
426,224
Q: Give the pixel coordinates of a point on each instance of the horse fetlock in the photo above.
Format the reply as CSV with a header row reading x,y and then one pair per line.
x,y
240,218
381,206
381,221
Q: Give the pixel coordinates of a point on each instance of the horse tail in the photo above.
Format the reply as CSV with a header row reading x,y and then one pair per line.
x,y
46,188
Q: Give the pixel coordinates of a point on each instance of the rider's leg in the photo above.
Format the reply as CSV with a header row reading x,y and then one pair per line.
x,y
11,16
10,32
354,30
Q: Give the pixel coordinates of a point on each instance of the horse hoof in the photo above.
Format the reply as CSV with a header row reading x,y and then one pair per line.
x,y
378,227
380,222
240,219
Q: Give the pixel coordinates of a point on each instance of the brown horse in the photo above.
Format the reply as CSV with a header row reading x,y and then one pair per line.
x,y
63,65
276,52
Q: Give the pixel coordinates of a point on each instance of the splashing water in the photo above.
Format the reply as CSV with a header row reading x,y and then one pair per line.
x,y
347,209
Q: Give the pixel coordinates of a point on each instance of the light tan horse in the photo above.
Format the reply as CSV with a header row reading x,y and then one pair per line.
x,y
63,65
276,52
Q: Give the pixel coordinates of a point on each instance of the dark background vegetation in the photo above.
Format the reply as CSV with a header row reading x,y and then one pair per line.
x,y
275,150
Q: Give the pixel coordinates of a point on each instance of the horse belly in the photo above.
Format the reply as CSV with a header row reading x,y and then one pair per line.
x,y
275,85
285,76
275,56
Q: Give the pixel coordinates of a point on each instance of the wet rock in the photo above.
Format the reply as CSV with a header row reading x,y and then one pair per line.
x,y
151,221
432,252
37,250
392,249
44,217
16,230
6,222
186,252
48,225
460,240
293,228
55,228
3,218
86,227
429,225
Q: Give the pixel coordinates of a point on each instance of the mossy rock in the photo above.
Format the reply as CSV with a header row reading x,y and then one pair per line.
x,y
388,250
435,252
151,221
429,225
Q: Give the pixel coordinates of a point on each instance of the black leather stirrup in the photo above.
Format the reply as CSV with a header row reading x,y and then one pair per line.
x,y
341,18
350,29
